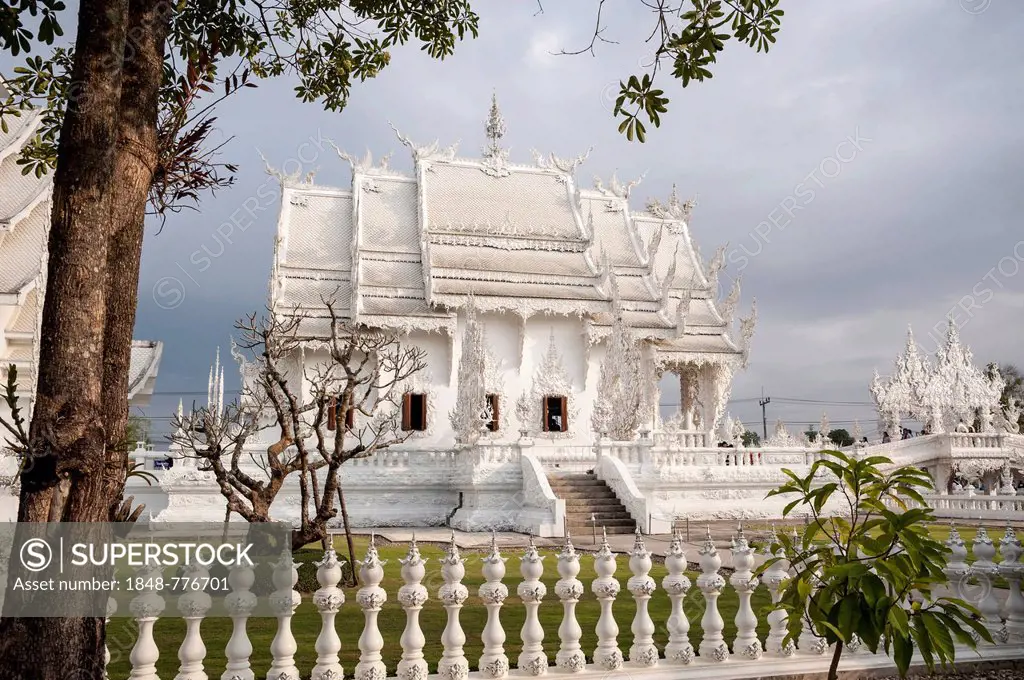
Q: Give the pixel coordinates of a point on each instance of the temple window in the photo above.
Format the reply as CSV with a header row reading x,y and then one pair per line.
x,y
494,402
414,411
555,414
334,414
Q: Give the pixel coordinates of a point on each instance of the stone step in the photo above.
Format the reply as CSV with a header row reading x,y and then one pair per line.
x,y
587,531
591,502
624,520
574,481
595,493
600,515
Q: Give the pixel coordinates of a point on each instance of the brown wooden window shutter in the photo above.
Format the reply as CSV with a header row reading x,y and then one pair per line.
x,y
332,409
494,401
407,411
423,412
544,415
565,414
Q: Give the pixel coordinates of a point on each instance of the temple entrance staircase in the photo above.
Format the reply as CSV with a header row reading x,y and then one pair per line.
x,y
586,495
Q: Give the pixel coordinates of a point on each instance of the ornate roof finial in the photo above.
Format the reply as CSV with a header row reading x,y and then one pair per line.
x,y
495,161
495,126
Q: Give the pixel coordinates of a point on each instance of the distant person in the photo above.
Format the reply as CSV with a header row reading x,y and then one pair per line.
x,y
886,438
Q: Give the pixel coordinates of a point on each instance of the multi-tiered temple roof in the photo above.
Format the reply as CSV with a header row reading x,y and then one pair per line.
x,y
24,226
405,251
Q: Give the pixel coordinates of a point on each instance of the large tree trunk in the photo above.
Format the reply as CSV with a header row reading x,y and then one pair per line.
x,y
67,434
135,161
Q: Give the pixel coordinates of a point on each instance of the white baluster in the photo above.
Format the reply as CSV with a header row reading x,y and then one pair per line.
x,y
774,576
643,652
146,608
606,587
328,600
808,642
283,602
493,662
710,582
985,571
239,605
453,664
371,597
1012,570
570,657
957,570
676,584
531,591
193,606
745,583
111,610
412,596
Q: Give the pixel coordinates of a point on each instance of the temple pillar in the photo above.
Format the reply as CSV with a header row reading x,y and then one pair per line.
x,y
688,387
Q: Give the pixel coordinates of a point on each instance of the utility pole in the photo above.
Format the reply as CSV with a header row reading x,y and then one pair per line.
x,y
764,414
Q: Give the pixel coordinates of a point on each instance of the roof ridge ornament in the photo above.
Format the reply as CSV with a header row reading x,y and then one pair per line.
x,y
747,326
553,162
495,160
674,210
615,187
433,151
364,165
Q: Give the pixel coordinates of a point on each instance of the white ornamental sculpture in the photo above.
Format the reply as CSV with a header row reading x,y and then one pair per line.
x,y
328,600
781,437
1011,416
642,586
531,591
745,583
710,582
412,596
493,663
472,411
676,584
605,587
570,657
549,379
620,387
453,664
371,598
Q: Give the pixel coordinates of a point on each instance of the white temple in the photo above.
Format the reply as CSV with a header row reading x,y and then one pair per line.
x,y
542,265
24,225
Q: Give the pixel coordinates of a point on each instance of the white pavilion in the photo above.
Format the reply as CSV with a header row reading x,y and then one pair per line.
x,y
542,261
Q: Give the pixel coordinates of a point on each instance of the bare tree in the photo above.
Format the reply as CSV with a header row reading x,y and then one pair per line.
x,y
347,406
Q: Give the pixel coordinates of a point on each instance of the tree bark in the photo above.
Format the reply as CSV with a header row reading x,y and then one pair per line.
x,y
135,162
833,669
67,435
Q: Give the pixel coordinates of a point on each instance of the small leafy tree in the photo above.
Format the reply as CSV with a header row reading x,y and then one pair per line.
x,y
751,438
840,437
871,573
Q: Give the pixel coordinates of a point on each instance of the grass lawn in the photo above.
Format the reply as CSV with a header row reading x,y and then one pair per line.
x,y
306,624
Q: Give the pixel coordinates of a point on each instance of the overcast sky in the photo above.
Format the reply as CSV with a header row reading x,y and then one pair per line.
x,y
866,174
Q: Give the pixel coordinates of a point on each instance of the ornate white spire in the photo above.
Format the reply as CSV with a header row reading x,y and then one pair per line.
x,y
495,159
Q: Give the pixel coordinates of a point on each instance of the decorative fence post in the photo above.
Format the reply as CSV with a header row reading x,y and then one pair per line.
x,y
193,606
985,570
146,607
283,603
778,618
328,600
239,605
493,662
808,642
412,596
676,584
531,591
605,587
111,610
371,597
745,583
712,645
643,652
453,664
1011,569
570,657
957,569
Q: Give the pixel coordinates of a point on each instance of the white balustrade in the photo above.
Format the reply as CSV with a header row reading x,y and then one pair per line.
x,y
370,598
642,653
1012,570
606,587
569,589
531,591
453,664
745,583
712,644
957,570
328,600
985,571
283,603
146,607
239,605
493,662
676,584
774,576
412,596
193,606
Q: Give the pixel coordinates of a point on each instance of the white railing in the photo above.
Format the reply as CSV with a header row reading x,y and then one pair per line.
x,y
637,655
977,440
1000,507
684,438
